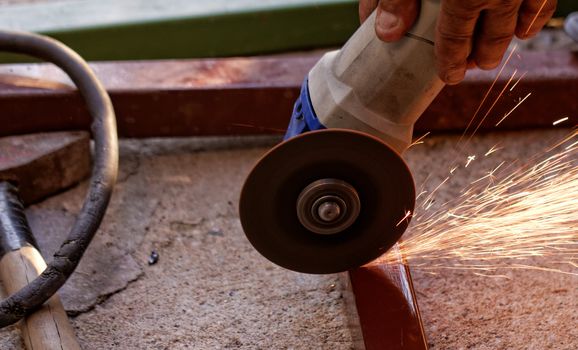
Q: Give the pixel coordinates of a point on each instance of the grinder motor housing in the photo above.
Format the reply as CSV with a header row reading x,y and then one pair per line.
x,y
371,86
336,193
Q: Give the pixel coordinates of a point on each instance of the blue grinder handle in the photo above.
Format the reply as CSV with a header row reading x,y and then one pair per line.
x,y
303,118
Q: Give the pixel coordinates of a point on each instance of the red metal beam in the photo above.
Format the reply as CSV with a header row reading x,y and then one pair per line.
x,y
256,95
387,307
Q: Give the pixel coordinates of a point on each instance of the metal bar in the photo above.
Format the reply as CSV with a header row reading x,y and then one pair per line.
x,y
387,307
255,96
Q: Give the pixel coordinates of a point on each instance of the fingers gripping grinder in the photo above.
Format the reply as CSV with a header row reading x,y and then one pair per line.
x,y
336,193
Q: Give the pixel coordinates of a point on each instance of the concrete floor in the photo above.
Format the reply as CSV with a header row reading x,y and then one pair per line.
x,y
211,290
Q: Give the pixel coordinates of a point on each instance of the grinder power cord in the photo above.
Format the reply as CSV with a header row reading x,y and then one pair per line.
x,y
104,173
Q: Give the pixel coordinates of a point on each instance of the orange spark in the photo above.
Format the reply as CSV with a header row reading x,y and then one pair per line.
x,y
494,149
407,216
493,105
513,109
488,92
572,145
517,81
419,140
559,121
536,17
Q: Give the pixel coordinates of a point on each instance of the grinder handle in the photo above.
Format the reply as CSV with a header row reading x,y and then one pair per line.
x,y
377,87
48,327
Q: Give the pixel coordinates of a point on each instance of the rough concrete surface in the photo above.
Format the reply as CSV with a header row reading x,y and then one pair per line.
x,y
211,290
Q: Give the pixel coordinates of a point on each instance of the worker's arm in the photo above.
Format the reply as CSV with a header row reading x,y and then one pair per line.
x,y
469,32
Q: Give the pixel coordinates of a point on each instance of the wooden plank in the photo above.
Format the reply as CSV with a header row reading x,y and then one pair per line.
x,y
154,29
63,159
387,307
256,95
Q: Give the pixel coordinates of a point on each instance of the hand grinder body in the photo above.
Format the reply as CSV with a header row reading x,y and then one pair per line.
x,y
336,193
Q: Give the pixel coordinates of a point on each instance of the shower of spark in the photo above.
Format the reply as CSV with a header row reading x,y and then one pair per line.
x,y
502,220
507,218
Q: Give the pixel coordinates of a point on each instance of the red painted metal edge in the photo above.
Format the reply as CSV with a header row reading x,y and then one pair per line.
x,y
256,95
387,307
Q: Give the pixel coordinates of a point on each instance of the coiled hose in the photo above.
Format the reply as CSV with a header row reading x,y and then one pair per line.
x,y
102,180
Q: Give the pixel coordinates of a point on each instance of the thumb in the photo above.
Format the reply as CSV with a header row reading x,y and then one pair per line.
x,y
394,18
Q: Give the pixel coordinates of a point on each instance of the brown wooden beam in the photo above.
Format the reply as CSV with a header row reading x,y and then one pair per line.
x,y
256,96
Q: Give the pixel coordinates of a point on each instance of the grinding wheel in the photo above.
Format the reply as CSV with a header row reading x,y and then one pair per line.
x,y
327,201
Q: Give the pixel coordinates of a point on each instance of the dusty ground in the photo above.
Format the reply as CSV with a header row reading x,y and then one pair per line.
x,y
211,290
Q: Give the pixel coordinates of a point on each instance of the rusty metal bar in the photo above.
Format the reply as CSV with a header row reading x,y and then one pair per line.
x,y
387,307
255,96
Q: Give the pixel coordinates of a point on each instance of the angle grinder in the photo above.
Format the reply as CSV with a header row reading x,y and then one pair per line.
x,y
336,194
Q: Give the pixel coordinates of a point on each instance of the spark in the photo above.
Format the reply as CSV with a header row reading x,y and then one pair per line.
x,y
572,145
407,216
520,218
429,199
559,121
536,17
517,81
419,140
570,137
498,167
420,194
490,174
470,159
488,92
494,104
513,109
494,149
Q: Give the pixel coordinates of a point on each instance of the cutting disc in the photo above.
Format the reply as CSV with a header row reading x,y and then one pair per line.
x,y
327,201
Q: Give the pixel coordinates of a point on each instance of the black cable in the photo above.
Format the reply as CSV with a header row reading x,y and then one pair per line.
x,y
103,178
15,232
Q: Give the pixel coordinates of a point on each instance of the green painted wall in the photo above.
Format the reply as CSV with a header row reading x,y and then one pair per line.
x,y
157,29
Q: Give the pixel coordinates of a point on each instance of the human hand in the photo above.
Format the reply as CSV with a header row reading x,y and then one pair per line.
x,y
469,32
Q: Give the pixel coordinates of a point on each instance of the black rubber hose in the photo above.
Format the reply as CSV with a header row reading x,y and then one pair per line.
x,y
103,178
